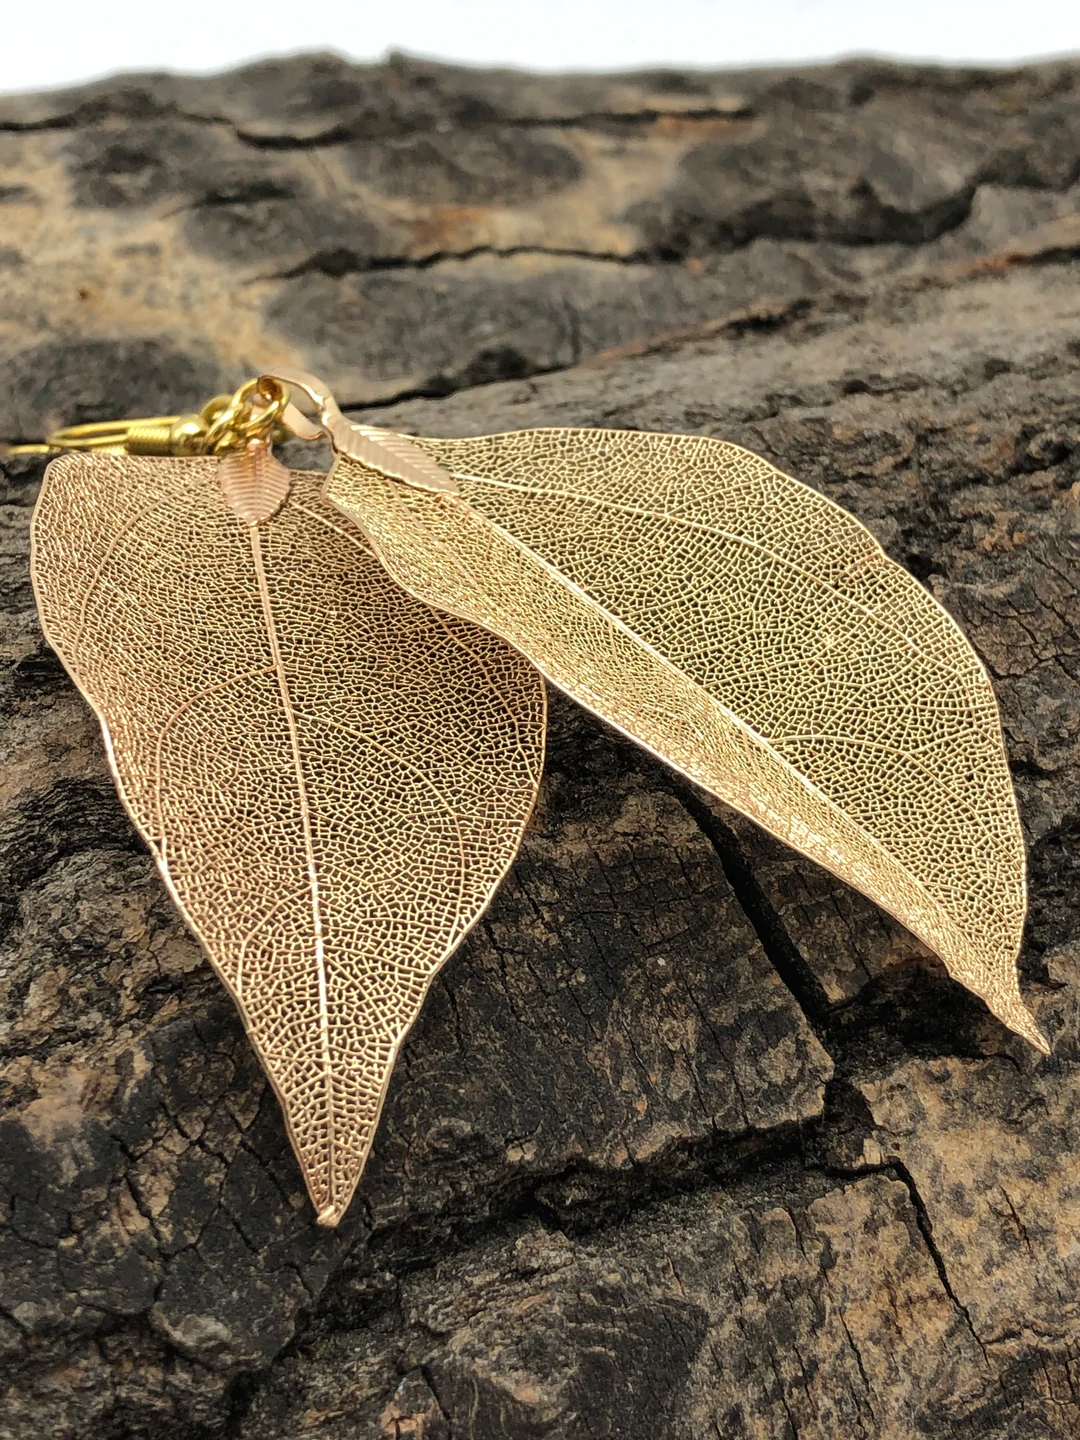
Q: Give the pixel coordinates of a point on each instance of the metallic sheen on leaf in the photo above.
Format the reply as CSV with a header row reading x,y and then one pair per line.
x,y
333,778
254,483
752,634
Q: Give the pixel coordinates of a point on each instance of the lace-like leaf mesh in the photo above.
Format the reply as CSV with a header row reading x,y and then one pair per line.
x,y
332,777
752,634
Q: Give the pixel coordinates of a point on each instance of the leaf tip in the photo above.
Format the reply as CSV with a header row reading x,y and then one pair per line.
x,y
329,1215
1015,1014
1037,1038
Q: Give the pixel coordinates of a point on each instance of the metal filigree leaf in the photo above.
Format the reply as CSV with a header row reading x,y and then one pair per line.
x,y
254,484
332,777
752,634
395,456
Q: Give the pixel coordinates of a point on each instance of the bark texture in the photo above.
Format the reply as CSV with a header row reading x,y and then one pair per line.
x,y
690,1140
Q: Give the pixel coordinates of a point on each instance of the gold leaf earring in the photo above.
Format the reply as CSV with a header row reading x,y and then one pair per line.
x,y
332,777
324,710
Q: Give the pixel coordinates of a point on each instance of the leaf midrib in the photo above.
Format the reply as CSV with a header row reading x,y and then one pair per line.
x,y
309,847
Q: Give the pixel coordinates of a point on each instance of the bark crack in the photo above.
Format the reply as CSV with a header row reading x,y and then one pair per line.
x,y
785,957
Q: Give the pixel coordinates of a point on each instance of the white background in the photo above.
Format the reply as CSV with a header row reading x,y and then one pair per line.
x,y
48,43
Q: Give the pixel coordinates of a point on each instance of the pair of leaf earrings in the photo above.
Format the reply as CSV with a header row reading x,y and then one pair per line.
x,y
324,705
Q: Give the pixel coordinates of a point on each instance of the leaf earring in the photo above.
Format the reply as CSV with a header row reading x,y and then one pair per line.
x,y
332,777
319,715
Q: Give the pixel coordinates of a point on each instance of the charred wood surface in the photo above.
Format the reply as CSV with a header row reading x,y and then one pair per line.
x,y
690,1140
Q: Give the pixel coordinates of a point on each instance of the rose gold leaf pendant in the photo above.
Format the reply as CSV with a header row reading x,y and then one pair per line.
x,y
254,484
332,777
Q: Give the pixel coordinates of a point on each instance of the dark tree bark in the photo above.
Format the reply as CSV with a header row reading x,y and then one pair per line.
x,y
690,1140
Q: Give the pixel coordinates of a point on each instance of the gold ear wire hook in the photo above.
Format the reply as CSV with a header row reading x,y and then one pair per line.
x,y
227,422
160,435
260,411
